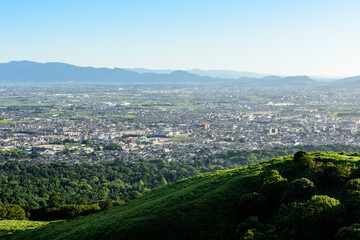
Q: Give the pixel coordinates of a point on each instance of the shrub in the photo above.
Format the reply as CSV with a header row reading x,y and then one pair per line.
x,y
350,197
273,187
70,211
106,204
64,212
304,160
349,233
318,218
12,212
252,204
299,190
333,175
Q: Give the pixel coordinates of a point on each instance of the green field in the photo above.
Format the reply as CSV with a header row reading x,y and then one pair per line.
x,y
86,117
165,105
347,113
21,104
122,116
178,105
260,99
8,227
352,111
178,139
7,122
50,114
106,116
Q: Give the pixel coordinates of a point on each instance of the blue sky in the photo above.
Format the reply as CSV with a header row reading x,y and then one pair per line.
x,y
266,36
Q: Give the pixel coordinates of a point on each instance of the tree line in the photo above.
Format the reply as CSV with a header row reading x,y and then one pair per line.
x,y
31,186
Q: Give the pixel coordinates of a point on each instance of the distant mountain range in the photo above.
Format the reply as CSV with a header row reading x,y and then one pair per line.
x,y
350,82
206,73
34,72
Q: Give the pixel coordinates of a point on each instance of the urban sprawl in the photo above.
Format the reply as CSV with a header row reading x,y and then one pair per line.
x,y
90,123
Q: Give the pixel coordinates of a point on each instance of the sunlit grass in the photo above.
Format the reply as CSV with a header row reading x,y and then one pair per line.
x,y
8,227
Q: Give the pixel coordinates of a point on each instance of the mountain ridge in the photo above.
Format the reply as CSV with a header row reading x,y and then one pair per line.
x,y
56,72
52,72
228,74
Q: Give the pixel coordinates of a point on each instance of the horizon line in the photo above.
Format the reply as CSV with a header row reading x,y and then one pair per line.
x,y
319,77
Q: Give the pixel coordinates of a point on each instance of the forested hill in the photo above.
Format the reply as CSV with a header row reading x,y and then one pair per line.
x,y
305,196
22,182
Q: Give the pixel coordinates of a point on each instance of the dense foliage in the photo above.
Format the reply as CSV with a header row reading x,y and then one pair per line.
x,y
306,196
245,157
32,184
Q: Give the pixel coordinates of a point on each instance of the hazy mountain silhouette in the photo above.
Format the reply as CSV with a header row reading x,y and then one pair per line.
x,y
205,73
350,82
53,72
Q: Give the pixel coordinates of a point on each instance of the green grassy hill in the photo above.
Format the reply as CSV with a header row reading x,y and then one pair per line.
x,y
276,195
8,227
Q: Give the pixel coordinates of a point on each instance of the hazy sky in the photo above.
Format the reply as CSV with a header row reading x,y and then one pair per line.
x,y
289,37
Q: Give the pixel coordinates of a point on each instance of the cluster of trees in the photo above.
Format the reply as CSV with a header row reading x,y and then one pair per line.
x,y
246,157
16,154
55,209
310,200
12,212
32,184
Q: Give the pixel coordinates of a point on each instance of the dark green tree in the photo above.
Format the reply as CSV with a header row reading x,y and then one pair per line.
x,y
350,197
12,212
349,233
318,218
54,201
299,190
273,187
252,204
304,160
106,204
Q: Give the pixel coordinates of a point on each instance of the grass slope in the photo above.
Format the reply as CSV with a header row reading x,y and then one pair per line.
x,y
8,227
201,207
